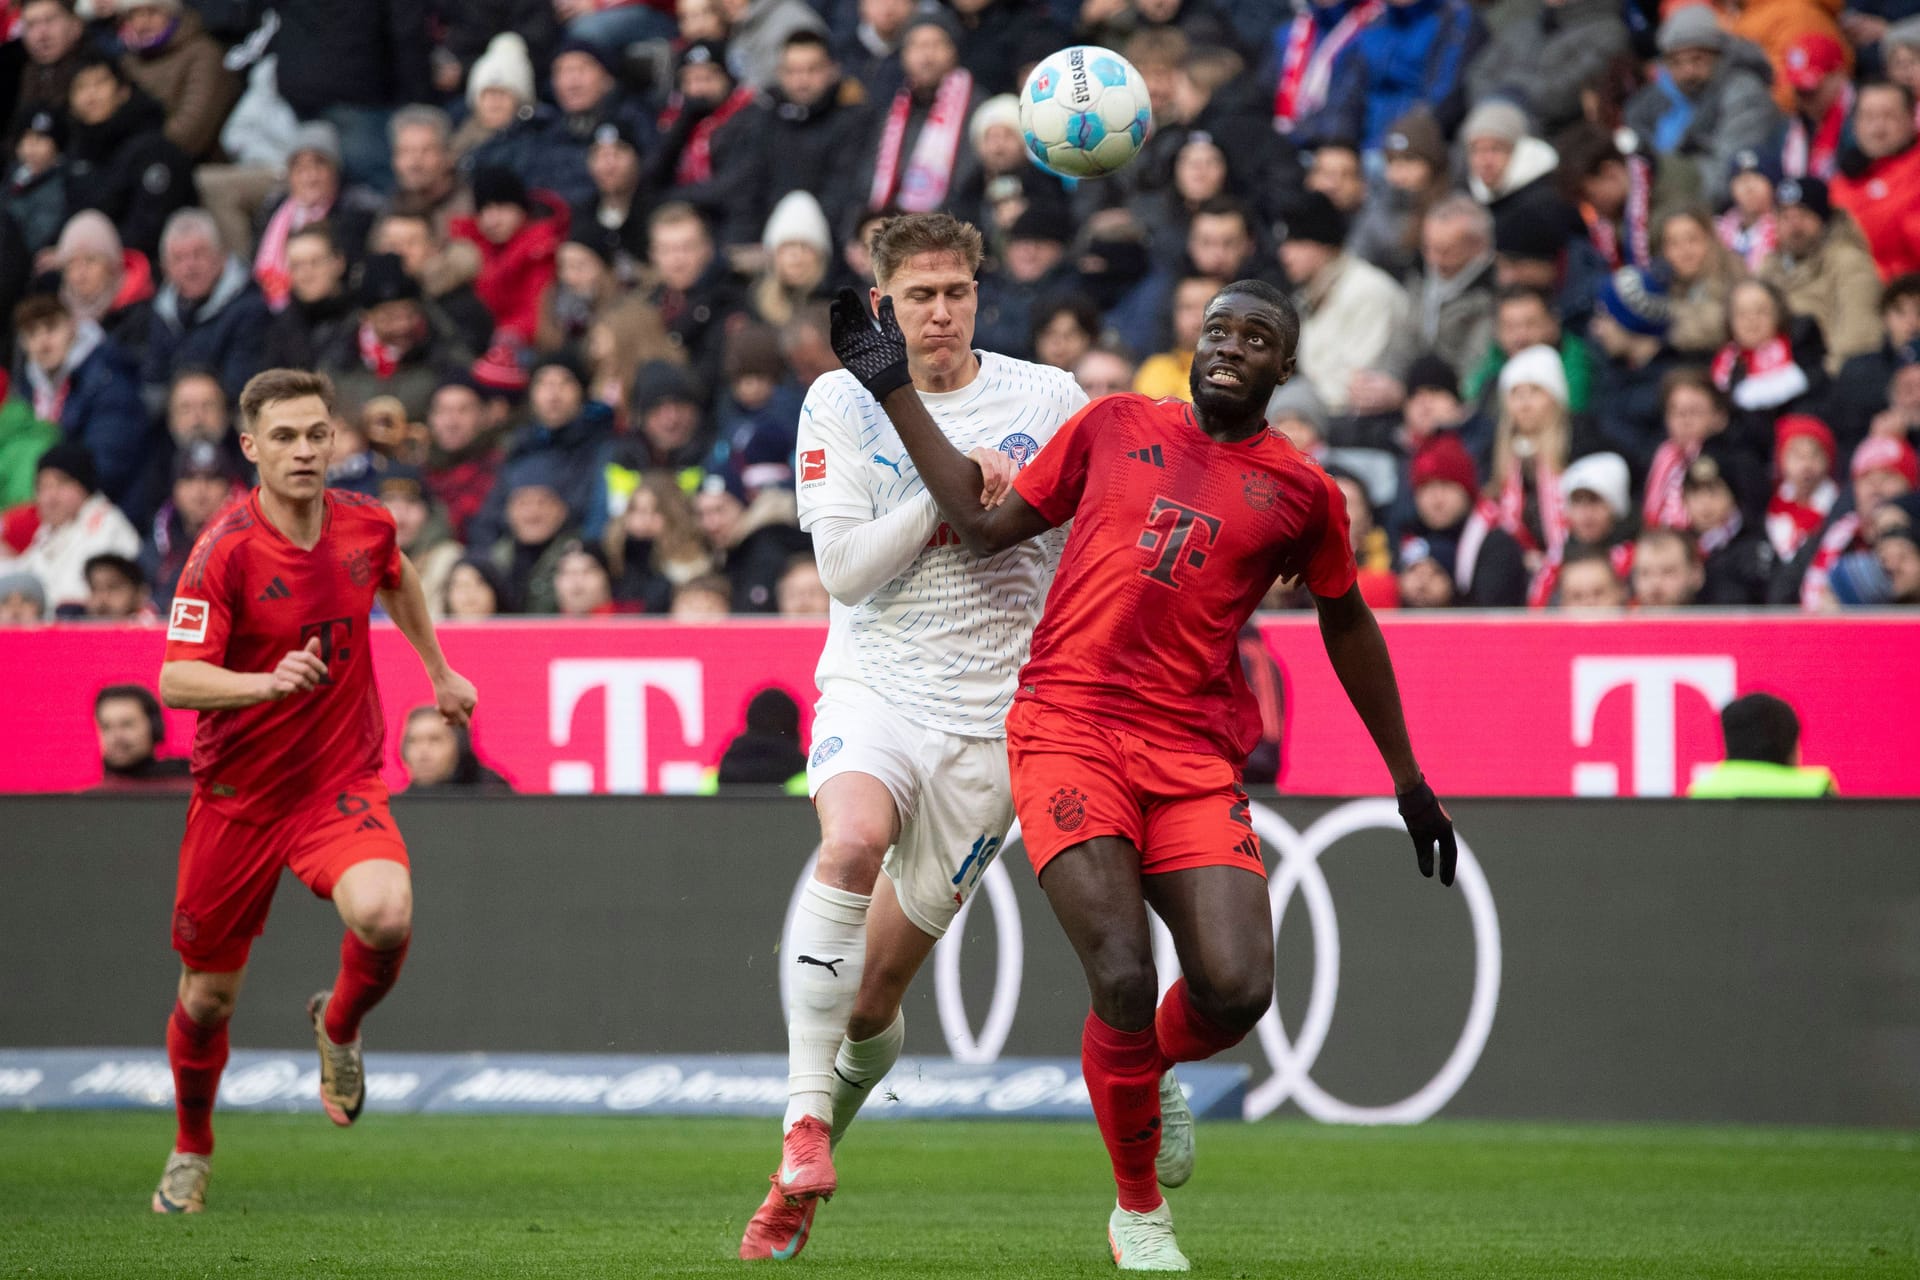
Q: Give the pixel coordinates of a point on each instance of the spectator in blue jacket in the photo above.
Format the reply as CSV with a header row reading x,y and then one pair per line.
x,y
209,314
82,381
1417,52
572,437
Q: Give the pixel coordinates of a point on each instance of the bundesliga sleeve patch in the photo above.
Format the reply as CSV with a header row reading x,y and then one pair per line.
x,y
188,621
813,465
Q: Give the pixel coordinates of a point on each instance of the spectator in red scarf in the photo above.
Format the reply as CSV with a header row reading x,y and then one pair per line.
x,y
1532,445
517,233
1750,228
1883,470
1817,68
707,150
1879,181
1697,420
395,346
920,156
1775,363
1804,492
1599,505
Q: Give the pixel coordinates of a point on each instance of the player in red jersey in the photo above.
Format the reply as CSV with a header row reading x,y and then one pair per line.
x,y
268,640
1133,719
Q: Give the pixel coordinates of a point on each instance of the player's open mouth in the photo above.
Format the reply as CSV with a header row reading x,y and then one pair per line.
x,y
1222,376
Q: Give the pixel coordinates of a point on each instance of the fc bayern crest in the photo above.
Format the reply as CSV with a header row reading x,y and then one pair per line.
x,y
1261,491
359,567
1020,447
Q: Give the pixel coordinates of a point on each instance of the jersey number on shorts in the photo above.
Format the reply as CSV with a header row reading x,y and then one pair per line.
x,y
983,850
1178,535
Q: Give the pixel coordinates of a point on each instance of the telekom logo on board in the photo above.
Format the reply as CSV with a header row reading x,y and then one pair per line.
x,y
626,683
1656,683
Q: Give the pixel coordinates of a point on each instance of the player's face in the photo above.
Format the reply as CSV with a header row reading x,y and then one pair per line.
x,y
935,300
291,444
1242,355
125,736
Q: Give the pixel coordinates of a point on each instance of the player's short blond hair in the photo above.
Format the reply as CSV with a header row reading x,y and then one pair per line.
x,y
896,240
277,386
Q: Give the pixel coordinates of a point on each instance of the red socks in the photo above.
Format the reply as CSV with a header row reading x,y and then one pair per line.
x,y
1184,1033
198,1055
365,978
1122,1071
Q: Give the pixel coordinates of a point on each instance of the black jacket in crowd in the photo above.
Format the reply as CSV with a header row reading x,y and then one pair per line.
x,y
125,167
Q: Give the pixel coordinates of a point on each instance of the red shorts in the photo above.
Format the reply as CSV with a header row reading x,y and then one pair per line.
x,y
1074,780
229,868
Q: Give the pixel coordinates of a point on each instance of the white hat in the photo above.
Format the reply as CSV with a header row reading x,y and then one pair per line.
x,y
505,65
1539,367
1002,108
799,217
1603,475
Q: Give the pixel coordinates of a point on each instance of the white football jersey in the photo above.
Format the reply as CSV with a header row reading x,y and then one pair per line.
x,y
942,643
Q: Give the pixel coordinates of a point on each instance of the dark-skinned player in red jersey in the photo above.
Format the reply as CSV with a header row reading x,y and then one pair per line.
x,y
267,639
1132,718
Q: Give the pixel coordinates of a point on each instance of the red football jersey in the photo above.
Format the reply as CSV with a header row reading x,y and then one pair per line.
x,y
247,598
1175,539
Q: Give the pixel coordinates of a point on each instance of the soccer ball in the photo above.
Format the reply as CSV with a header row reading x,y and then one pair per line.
x,y
1084,112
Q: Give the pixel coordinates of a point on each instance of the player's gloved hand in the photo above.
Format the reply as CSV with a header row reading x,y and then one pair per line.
x,y
873,351
1429,825
997,472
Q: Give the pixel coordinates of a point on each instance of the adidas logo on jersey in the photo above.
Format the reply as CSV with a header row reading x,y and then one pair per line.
x,y
276,590
1149,454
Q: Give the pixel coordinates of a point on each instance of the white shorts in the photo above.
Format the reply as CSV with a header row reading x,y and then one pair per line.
x,y
953,795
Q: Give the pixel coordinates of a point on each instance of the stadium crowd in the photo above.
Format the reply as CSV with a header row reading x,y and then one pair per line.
x,y
1604,304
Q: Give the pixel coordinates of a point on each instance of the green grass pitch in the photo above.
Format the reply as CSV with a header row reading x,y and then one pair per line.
x,y
482,1197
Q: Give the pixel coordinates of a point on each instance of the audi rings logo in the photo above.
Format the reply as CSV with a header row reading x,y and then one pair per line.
x,y
1291,1057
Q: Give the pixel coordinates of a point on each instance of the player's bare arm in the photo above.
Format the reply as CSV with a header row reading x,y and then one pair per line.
x,y
1359,656
876,354
202,686
406,604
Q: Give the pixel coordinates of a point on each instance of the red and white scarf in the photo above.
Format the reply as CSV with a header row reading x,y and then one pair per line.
x,y
1666,506
923,187
381,358
1836,542
696,158
1754,244
1638,217
1790,522
1512,507
1306,67
270,264
1819,155
50,398
1768,377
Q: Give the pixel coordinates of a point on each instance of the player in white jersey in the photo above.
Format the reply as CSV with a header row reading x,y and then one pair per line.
x,y
908,770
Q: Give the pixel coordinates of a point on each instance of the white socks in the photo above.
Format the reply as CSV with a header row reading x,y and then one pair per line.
x,y
829,950
859,1068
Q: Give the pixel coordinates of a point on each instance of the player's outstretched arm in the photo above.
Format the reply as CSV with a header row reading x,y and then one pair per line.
x,y
406,604
1359,656
194,685
876,354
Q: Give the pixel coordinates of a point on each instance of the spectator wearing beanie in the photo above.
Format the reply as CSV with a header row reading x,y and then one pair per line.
x,y
204,481
536,531
170,55
1882,471
615,215
707,153
394,346
1352,308
1416,53
919,154
758,414
1533,443
463,448
1387,231
83,382
500,99
1708,101
472,27
1034,266
102,281
799,248
758,31
1598,497
587,93
1458,531
583,291
34,192
313,194
1737,560
1804,491
119,161
1815,88
1006,182
1825,271
1750,227
1508,169
517,233
77,523
810,130
1803,41
1879,179
572,434
1543,60
1629,330
754,535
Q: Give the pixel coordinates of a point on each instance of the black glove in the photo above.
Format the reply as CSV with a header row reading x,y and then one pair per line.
x,y
1429,825
874,353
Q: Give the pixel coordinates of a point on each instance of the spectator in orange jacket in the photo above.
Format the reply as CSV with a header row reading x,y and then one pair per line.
x,y
518,235
1879,182
1774,25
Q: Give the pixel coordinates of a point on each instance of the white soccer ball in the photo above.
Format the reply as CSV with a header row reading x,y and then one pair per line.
x,y
1084,112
